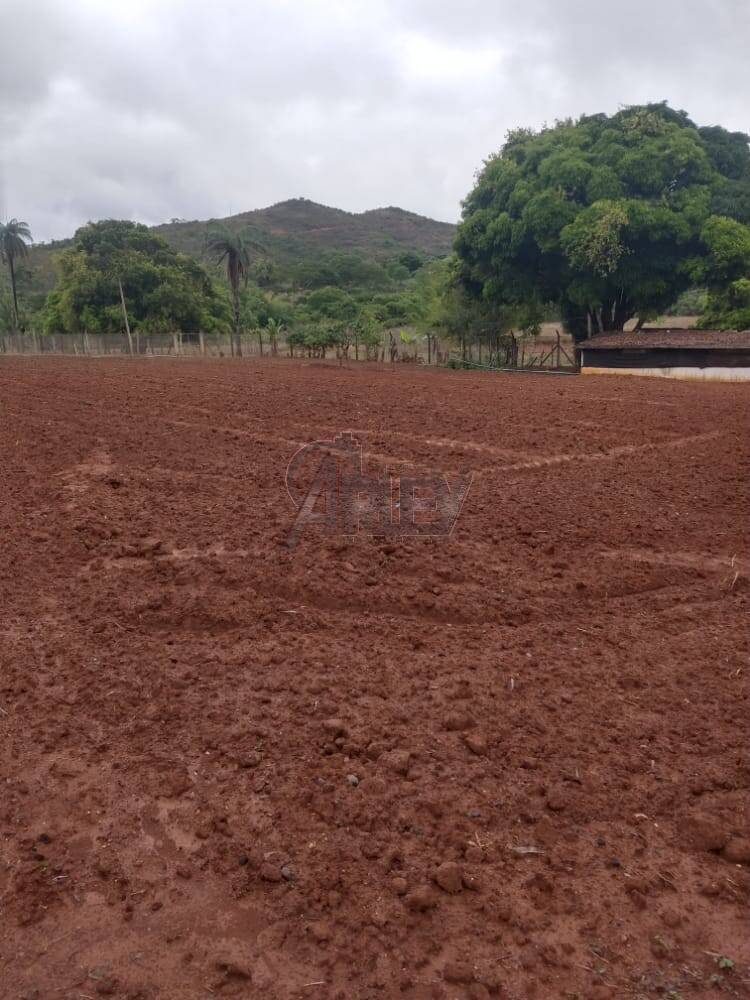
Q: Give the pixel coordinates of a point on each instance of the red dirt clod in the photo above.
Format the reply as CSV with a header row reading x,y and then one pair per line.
x,y
704,832
421,899
449,877
737,851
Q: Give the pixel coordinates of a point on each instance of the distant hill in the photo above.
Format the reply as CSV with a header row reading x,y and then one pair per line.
x,y
287,233
293,229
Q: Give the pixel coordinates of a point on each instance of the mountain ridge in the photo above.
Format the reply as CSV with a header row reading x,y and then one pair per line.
x,y
301,224
288,233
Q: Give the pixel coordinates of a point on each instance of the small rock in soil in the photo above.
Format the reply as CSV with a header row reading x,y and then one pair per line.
x,y
476,743
399,886
270,873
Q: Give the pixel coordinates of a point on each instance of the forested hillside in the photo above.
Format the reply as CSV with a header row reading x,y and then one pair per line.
x,y
292,230
288,238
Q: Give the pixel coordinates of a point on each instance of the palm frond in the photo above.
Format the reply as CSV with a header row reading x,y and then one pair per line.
x,y
224,245
15,238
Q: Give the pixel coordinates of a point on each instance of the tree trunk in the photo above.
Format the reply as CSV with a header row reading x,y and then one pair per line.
x,y
260,340
621,313
237,345
12,267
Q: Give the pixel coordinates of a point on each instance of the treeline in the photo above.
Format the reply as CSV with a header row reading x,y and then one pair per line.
x,y
601,221
120,276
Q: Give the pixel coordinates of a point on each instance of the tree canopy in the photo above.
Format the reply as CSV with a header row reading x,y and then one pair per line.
x,y
725,273
164,290
607,217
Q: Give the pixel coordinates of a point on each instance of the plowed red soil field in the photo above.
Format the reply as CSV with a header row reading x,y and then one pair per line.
x,y
509,763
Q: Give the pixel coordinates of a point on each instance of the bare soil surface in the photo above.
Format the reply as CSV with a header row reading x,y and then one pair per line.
x,y
512,763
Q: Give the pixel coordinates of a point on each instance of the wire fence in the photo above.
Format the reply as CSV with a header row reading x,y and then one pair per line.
x,y
160,345
538,353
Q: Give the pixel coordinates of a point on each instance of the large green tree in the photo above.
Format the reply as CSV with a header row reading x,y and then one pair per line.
x,y
15,238
121,275
725,273
605,216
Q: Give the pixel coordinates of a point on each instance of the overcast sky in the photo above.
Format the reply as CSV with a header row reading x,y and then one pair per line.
x,y
151,109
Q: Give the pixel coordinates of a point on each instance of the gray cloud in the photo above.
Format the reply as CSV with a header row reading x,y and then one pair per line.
x,y
151,109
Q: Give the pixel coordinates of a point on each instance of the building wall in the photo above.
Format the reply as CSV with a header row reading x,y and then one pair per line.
x,y
712,374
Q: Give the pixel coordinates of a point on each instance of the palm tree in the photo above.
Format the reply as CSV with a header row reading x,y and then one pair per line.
x,y
275,327
15,238
224,245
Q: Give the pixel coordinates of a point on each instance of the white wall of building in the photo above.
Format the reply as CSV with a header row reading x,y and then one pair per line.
x,y
684,372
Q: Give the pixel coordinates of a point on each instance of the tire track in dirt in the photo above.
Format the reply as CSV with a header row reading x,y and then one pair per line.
x,y
530,459
296,445
618,451
682,560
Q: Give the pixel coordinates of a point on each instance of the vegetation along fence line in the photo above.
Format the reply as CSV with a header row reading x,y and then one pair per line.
x,y
545,356
209,344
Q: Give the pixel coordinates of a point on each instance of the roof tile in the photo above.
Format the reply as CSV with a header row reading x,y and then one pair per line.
x,y
645,338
